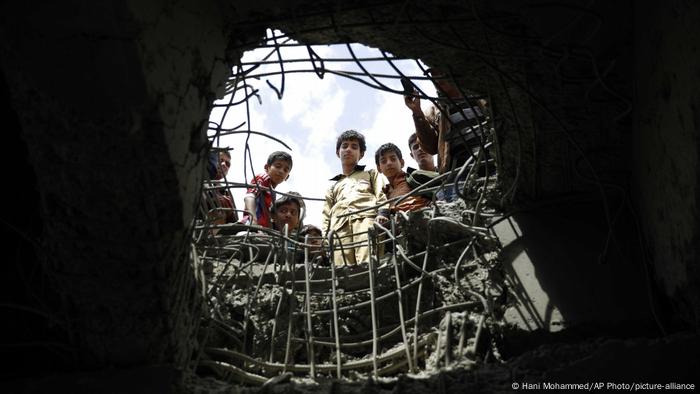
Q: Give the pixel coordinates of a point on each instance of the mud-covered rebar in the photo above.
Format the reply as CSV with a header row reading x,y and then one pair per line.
x,y
434,256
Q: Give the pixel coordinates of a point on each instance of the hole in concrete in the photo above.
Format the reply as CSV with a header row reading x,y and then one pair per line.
x,y
575,60
323,92
261,283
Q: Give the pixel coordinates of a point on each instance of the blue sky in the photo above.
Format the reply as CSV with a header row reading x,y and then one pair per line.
x,y
310,116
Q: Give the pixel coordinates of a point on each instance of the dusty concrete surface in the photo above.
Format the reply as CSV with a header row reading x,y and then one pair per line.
x,y
115,130
613,364
449,320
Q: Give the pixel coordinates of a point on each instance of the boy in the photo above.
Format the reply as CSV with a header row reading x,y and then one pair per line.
x,y
390,163
452,132
315,236
435,131
218,203
353,190
219,164
424,160
258,201
316,252
287,210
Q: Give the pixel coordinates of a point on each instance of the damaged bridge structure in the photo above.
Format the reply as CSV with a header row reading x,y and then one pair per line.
x,y
570,256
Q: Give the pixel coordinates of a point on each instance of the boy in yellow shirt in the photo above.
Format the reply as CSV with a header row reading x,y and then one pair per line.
x,y
354,189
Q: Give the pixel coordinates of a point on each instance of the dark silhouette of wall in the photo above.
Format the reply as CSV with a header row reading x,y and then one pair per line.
x,y
110,101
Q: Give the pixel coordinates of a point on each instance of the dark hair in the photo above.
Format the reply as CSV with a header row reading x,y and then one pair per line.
x,y
279,155
351,135
286,199
388,147
411,139
307,228
212,164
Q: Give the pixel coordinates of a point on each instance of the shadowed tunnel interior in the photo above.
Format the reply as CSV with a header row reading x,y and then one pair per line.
x,y
105,108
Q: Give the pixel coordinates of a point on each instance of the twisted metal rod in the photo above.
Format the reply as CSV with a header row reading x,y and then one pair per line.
x,y
309,326
373,311
411,366
335,306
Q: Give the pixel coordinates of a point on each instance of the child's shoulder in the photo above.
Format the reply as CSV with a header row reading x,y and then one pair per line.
x,y
261,179
373,173
368,171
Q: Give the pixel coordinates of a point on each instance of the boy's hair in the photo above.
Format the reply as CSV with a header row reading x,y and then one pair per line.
x,y
225,153
293,197
388,147
279,155
351,135
309,228
413,138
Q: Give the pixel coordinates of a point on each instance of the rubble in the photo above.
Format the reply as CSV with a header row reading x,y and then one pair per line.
x,y
434,300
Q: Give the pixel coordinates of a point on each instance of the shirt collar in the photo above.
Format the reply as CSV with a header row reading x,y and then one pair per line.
x,y
341,176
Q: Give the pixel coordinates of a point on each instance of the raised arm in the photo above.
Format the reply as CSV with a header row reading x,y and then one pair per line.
x,y
426,132
249,202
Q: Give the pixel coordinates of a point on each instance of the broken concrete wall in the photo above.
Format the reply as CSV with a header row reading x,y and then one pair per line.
x,y
113,99
667,148
556,76
567,273
559,80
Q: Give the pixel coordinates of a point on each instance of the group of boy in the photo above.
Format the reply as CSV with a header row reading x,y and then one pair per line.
x,y
283,214
350,208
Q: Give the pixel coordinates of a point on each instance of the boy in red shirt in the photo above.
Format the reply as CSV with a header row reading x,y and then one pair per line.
x,y
390,163
258,200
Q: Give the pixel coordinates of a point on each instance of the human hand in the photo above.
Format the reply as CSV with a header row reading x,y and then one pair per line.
x,y
413,103
251,219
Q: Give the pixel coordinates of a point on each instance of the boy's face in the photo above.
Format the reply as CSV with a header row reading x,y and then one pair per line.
x,y
390,164
349,152
278,171
424,160
315,240
225,164
287,213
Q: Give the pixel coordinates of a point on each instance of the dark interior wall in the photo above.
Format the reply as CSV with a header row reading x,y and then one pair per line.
x,y
667,147
563,276
23,289
557,75
112,99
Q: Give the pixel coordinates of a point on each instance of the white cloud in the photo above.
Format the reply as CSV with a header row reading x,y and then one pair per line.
x,y
392,123
310,135
307,119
